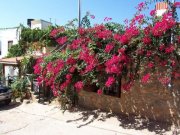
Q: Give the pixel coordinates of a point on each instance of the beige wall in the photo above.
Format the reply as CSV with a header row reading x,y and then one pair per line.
x,y
152,101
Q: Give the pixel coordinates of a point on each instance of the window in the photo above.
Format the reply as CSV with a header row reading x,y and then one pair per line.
x,y
114,90
10,43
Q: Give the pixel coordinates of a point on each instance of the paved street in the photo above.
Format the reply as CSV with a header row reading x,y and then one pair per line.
x,y
39,119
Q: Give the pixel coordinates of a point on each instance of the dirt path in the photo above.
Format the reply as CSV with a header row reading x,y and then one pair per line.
x,y
39,119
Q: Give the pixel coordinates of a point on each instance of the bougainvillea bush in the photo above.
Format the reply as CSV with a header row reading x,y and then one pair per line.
x,y
146,47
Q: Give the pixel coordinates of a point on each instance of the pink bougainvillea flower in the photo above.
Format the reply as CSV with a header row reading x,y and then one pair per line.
x,y
158,29
72,69
81,31
127,86
89,68
109,47
68,76
150,65
132,31
71,61
153,12
40,80
146,78
117,37
169,49
149,53
178,39
37,69
124,39
137,18
107,19
61,40
121,51
163,63
55,93
164,80
126,21
141,6
54,32
110,81
161,47
92,16
99,92
147,30
176,75
177,4
173,63
112,65
64,85
79,85
75,44
147,40
104,34
163,25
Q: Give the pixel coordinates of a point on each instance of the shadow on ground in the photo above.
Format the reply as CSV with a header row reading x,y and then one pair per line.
x,y
12,105
125,121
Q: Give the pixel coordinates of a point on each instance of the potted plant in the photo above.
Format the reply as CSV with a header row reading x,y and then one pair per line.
x,y
19,88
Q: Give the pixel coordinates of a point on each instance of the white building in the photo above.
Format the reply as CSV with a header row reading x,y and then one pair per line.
x,y
8,37
38,24
11,36
161,8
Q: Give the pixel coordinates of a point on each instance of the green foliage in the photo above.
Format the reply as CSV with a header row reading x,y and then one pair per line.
x,y
85,23
34,35
115,27
38,36
27,65
15,50
19,87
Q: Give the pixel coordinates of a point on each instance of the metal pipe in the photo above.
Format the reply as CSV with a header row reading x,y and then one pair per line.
x,y
79,13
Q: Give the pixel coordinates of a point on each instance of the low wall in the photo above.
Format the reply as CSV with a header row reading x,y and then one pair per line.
x,y
152,101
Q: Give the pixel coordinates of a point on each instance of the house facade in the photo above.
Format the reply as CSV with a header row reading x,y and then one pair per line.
x,y
10,37
39,24
161,8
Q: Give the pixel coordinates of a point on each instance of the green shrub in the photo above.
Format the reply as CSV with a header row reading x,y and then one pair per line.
x,y
15,50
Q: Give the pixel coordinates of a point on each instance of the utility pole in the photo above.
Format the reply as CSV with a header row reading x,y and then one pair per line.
x,y
170,85
79,13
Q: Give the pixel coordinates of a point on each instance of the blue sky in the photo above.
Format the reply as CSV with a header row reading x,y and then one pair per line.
x,y
14,12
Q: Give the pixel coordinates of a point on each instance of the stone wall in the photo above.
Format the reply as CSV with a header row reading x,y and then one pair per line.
x,y
152,101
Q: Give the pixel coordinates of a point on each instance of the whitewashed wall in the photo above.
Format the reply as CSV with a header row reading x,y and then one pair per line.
x,y
45,24
40,24
8,34
36,26
161,12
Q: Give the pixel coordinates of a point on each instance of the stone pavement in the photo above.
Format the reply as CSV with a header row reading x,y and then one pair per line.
x,y
39,119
